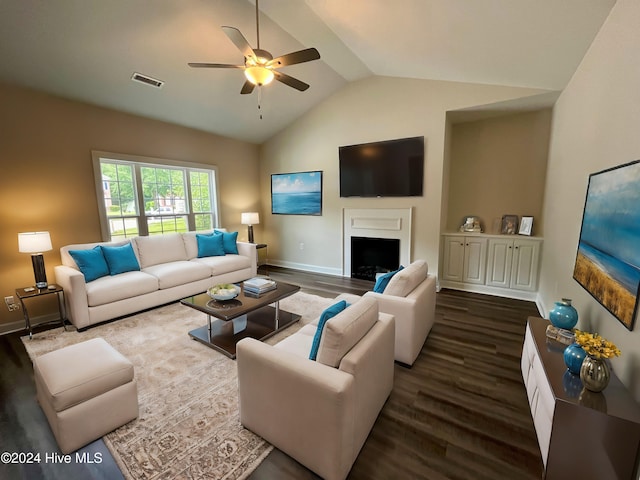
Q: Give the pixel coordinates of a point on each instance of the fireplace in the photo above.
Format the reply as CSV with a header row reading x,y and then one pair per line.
x,y
373,255
379,224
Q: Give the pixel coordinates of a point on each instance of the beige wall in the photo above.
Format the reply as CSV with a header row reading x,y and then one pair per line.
x,y
595,126
377,108
498,166
47,177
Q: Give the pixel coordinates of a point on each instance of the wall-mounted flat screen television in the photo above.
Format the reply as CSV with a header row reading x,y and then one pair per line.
x,y
391,168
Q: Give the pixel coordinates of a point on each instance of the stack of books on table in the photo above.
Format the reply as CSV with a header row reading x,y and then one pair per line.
x,y
258,285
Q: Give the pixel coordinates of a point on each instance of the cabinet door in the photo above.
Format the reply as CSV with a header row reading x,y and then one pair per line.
x,y
453,267
499,259
475,260
524,271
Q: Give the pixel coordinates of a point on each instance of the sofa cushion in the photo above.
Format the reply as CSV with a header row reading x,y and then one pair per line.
x,y
224,264
383,280
91,263
229,241
210,245
125,285
345,330
157,249
120,259
405,281
178,273
325,316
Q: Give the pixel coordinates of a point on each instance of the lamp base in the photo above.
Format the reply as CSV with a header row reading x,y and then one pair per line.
x,y
38,270
250,230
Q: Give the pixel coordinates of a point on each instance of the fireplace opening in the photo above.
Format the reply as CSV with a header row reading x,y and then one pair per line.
x,y
373,255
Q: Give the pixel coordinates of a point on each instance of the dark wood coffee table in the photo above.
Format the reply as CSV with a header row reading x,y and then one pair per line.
x,y
248,315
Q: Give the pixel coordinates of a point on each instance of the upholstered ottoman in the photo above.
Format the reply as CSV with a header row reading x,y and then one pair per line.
x,y
86,390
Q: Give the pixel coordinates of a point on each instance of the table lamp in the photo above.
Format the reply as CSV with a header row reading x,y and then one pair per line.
x,y
35,243
250,219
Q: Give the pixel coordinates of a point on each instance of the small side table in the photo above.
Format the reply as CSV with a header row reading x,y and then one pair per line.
x,y
261,246
26,293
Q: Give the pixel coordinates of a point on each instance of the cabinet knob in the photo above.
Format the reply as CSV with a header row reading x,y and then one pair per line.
x,y
509,247
516,247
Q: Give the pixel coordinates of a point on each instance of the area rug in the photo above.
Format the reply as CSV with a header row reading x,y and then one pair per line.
x,y
188,425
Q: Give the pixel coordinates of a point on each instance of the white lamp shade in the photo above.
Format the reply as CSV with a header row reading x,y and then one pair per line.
x,y
250,218
34,242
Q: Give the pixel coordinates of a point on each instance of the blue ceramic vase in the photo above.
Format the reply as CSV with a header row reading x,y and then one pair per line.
x,y
563,315
573,357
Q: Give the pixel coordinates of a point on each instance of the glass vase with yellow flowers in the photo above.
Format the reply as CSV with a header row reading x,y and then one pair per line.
x,y
594,372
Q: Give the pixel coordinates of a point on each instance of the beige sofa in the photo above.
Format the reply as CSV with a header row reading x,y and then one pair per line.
x,y
169,270
320,412
410,297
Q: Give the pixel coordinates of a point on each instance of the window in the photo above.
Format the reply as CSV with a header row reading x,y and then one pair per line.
x,y
148,196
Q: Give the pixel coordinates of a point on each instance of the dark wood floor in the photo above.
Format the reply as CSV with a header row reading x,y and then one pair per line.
x,y
460,412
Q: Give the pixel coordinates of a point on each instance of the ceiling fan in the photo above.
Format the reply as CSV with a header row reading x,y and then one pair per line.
x,y
260,68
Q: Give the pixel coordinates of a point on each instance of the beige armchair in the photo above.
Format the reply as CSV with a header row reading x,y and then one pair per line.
x,y
410,297
319,412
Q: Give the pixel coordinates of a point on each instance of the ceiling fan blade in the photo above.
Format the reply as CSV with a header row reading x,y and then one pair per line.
x,y
301,56
292,82
239,41
247,88
213,65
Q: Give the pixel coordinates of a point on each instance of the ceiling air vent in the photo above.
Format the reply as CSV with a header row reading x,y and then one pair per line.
x,y
138,77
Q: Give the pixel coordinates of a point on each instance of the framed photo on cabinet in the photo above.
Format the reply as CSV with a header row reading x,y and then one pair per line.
x,y
526,226
509,224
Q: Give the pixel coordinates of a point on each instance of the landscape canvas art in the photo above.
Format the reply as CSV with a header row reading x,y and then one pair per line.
x,y
296,193
608,258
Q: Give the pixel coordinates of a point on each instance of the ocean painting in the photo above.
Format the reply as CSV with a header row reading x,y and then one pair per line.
x,y
296,193
608,259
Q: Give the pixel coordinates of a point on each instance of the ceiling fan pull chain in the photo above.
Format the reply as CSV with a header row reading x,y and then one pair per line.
x,y
260,101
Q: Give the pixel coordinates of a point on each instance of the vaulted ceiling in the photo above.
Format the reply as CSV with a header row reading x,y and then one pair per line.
x,y
89,49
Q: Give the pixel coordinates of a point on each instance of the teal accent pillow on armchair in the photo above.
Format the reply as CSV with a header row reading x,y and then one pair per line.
x,y
383,280
325,316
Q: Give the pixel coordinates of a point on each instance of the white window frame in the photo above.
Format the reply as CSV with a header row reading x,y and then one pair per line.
x,y
140,161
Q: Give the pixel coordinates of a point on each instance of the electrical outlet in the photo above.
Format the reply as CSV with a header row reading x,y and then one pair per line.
x,y
301,246
11,305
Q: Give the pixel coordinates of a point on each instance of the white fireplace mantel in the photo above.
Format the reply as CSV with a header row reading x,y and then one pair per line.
x,y
376,223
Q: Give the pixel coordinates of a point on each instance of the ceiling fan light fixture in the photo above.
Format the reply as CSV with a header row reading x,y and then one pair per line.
x,y
259,75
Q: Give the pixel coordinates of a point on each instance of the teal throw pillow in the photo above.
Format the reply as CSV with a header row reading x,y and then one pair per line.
x,y
383,280
91,263
229,241
210,245
329,313
120,259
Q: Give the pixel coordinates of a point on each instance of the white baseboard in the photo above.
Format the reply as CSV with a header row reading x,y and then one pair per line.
x,y
11,327
336,272
542,311
498,292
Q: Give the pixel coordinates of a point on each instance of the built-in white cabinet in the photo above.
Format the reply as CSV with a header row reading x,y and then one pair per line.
x,y
465,259
494,264
513,263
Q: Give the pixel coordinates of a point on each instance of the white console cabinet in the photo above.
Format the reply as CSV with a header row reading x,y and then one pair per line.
x,y
581,434
494,264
